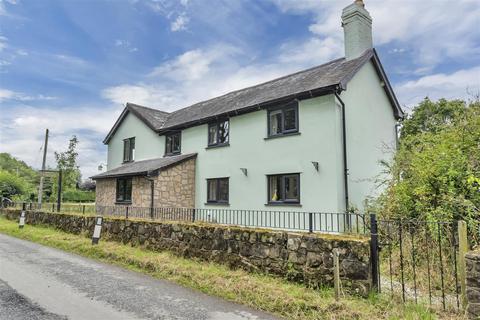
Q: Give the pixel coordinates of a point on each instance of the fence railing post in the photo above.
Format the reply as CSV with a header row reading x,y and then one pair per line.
x,y
83,210
126,212
374,251
462,250
193,215
310,222
24,206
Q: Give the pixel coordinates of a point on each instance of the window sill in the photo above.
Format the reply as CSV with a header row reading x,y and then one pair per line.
x,y
214,146
125,162
283,204
282,135
226,204
172,154
123,202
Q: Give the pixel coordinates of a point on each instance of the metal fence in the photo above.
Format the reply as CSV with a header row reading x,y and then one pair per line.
x,y
273,219
417,261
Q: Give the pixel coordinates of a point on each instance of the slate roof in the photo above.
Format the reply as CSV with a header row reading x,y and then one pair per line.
x,y
328,77
144,167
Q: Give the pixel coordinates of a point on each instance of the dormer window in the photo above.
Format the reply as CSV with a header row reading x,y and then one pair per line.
x,y
173,143
129,149
219,133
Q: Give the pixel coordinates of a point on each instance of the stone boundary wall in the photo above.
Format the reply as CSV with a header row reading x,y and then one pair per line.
x,y
473,284
301,257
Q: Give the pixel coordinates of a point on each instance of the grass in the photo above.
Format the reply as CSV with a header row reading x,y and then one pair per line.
x,y
271,294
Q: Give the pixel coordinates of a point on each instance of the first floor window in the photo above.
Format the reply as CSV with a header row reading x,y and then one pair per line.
x,y
283,120
129,149
124,190
172,143
218,133
217,190
284,188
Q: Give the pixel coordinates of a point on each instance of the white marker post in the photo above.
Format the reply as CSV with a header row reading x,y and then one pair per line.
x,y
97,230
21,222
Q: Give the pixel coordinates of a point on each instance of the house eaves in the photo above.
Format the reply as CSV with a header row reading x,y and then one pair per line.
x,y
317,81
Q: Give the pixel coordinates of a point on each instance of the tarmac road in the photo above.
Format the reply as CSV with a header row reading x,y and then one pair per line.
x,y
38,282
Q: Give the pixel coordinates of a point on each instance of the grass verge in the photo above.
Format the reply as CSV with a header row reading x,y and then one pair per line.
x,y
262,292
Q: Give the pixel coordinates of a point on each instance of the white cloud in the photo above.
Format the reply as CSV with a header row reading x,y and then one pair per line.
x,y
125,44
180,23
204,73
456,85
3,42
313,50
18,96
433,31
3,7
23,128
6,94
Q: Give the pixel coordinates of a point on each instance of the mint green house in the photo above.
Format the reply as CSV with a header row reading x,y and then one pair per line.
x,y
310,141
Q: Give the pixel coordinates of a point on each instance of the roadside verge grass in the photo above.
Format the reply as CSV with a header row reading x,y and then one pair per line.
x,y
262,292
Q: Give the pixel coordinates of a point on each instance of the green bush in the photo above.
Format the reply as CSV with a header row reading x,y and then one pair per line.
x,y
78,196
12,186
436,171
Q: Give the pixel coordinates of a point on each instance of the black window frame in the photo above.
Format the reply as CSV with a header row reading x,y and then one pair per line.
x,y
217,124
130,156
174,152
127,192
292,105
283,191
217,191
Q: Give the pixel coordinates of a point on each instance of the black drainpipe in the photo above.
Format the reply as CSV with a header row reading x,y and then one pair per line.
x,y
344,145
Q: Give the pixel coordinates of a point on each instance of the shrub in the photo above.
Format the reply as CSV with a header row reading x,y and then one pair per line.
x,y
78,196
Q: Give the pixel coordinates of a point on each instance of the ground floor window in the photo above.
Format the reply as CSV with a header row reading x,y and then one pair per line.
x,y
284,188
124,190
217,190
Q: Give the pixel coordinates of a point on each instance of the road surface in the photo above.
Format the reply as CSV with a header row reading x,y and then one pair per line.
x,y
38,282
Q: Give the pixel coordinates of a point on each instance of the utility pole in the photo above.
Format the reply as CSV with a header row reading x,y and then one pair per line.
x,y
40,188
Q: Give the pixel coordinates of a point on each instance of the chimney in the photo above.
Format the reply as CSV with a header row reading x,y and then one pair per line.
x,y
357,29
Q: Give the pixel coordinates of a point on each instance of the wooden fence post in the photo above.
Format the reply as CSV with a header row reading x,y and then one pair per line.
x,y
336,274
462,267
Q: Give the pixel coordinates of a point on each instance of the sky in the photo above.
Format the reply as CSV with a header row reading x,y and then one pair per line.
x,y
71,65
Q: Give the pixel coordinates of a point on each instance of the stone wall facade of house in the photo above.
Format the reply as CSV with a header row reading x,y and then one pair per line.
x,y
301,257
174,187
473,284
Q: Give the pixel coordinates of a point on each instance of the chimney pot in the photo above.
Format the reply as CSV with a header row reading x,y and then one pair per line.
x,y
360,3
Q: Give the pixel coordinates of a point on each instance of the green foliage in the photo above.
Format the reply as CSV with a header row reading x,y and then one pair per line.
x,y
432,117
21,177
12,185
78,196
67,162
436,171
18,167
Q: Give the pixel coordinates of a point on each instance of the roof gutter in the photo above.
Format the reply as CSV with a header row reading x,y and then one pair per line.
x,y
337,93
275,102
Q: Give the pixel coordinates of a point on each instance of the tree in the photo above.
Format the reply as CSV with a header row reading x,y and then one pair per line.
x,y
435,174
67,162
11,185
27,176
431,116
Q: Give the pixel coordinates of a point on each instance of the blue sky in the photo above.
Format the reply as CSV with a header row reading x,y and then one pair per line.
x,y
71,65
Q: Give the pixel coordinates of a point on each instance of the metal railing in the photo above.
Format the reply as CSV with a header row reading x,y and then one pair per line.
x,y
332,222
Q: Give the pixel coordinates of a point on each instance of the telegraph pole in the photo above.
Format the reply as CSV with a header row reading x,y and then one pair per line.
x,y
40,188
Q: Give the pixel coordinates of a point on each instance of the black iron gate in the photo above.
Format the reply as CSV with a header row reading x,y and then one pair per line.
x,y
416,261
